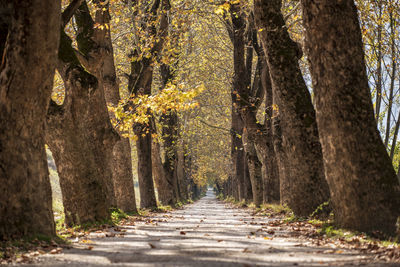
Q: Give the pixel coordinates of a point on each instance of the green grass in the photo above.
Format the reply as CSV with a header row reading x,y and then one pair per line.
x,y
117,215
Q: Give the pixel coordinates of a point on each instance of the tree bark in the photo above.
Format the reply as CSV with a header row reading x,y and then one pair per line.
x,y
26,78
237,154
392,78
140,84
304,182
254,168
143,71
364,188
146,185
181,173
81,143
378,81
122,161
170,138
270,160
240,85
164,185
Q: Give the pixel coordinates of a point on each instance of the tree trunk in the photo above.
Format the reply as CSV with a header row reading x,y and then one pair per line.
x,y
395,134
241,83
237,154
143,71
26,79
270,160
181,173
146,185
306,187
170,138
163,184
248,178
122,161
81,143
140,81
255,169
122,176
364,188
392,78
378,81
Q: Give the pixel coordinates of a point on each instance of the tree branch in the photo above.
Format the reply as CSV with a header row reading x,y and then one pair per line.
x,y
69,11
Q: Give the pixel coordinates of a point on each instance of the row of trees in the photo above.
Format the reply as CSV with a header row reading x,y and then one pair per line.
x,y
309,149
85,124
258,132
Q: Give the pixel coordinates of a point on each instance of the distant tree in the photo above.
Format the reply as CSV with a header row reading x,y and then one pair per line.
x,y
152,26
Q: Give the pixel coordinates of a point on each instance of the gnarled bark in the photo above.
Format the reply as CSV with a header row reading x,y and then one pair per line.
x,y
122,161
304,184
81,143
365,191
28,59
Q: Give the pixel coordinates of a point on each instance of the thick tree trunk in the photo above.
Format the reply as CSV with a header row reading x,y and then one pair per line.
x,y
81,143
26,78
122,161
363,184
304,179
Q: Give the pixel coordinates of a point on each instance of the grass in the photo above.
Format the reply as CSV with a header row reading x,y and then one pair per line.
x,y
275,209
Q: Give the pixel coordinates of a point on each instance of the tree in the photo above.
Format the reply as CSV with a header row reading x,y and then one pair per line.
x,y
363,184
303,186
79,132
122,162
141,77
241,82
166,173
29,34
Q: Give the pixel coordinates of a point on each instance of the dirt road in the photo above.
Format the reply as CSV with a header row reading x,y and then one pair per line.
x,y
206,233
